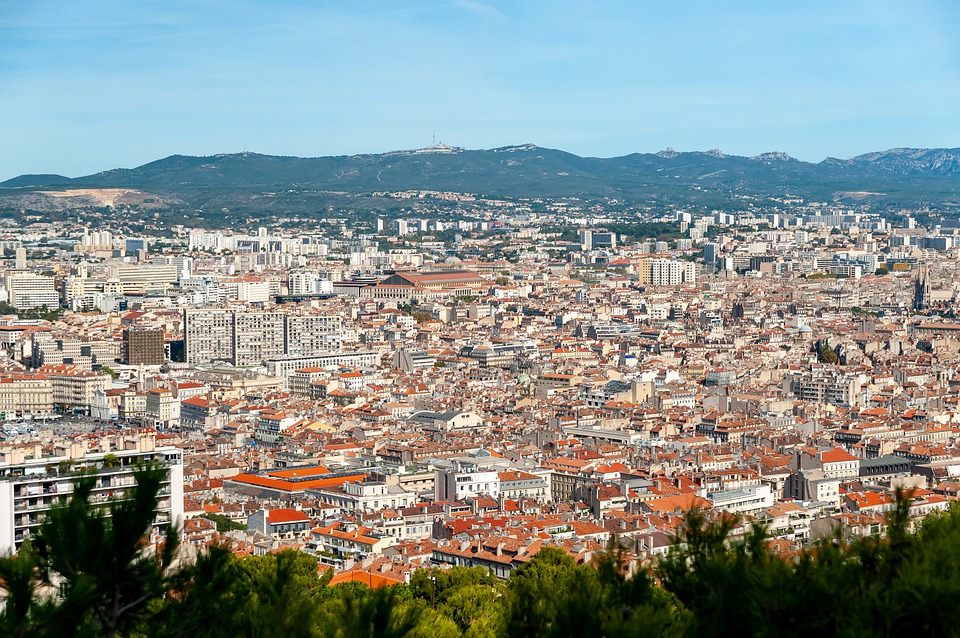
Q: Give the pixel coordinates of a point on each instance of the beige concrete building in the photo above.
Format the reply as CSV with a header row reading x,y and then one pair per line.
x,y
162,407
27,393
74,388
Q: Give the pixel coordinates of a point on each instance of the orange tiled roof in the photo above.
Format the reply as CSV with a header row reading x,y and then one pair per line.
x,y
281,483
368,578
286,515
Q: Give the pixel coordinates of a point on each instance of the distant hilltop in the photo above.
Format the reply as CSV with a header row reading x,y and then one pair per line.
x,y
897,177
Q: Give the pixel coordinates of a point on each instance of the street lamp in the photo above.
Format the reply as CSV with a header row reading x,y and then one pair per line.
x,y
433,590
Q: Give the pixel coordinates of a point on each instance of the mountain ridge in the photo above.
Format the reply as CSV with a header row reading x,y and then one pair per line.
x,y
903,176
936,158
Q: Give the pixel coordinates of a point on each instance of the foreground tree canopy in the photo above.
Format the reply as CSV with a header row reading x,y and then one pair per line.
x,y
87,574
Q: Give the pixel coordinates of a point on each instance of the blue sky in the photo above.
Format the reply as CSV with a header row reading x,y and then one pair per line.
x,y
89,85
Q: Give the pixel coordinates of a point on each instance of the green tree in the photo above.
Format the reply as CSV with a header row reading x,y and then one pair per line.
x,y
473,608
537,594
359,612
263,596
828,355
280,590
207,600
435,585
95,557
551,596
22,614
224,524
843,585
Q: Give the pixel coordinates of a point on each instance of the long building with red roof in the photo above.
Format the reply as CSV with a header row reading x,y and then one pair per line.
x,y
290,484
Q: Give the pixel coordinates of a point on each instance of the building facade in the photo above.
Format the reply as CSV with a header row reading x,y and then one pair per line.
x,y
26,394
26,291
245,338
143,347
31,487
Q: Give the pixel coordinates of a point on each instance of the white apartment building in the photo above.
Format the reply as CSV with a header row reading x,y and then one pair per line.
x,y
813,485
31,487
410,359
184,264
672,272
299,381
750,499
26,291
369,496
457,485
827,387
515,484
308,335
246,290
133,404
205,240
281,367
835,463
200,291
79,291
271,426
98,243
257,336
162,407
308,283
135,273
138,278
208,335
49,349
250,338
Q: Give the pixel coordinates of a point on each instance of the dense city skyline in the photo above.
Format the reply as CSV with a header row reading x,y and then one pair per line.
x,y
528,376
98,85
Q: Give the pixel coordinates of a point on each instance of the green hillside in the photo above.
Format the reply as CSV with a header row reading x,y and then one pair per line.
x,y
899,177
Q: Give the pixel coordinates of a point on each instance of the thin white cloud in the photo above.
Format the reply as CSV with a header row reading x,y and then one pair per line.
x,y
486,10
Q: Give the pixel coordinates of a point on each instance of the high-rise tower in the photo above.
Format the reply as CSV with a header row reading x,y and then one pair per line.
x,y
921,289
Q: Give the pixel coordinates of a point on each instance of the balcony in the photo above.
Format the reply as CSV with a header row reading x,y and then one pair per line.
x,y
39,505
27,521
